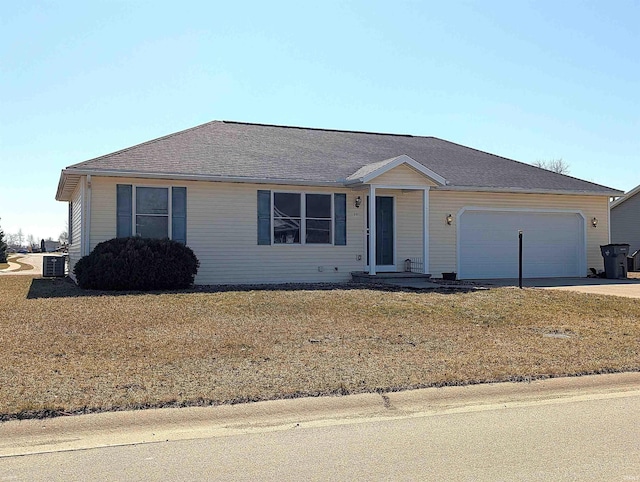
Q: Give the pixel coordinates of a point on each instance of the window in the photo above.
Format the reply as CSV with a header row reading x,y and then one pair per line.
x,y
152,212
318,219
157,214
286,218
289,223
296,218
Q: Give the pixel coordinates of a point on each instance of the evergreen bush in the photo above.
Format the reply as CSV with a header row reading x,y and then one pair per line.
x,y
136,263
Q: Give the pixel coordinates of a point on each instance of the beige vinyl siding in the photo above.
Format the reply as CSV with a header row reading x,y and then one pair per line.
x,y
403,175
77,211
222,228
443,237
625,223
222,231
408,224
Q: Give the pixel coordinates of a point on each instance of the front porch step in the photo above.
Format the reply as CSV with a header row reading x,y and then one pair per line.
x,y
364,277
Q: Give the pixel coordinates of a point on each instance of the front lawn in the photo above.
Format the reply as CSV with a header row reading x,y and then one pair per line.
x,y
65,350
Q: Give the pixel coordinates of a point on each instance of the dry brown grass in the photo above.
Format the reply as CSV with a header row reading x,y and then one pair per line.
x,y
69,351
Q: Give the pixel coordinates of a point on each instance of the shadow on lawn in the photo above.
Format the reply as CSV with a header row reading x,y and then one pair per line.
x,y
66,288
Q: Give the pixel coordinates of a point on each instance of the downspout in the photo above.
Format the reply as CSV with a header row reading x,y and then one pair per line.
x,y
609,221
425,232
87,228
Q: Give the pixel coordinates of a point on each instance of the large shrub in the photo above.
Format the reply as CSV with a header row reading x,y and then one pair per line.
x,y
137,264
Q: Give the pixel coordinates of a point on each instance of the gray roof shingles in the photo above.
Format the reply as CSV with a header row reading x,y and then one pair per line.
x,y
257,151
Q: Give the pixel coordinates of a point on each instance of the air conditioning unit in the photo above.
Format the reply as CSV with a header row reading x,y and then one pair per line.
x,y
53,266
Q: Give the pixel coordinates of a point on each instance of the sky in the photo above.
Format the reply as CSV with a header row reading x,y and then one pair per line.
x,y
528,80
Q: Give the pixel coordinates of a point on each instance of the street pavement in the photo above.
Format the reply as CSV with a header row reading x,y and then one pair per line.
x,y
584,428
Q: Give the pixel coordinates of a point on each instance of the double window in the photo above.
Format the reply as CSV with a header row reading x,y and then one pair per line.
x,y
298,218
152,212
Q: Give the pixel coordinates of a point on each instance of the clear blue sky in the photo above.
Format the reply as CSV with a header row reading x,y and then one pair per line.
x,y
529,80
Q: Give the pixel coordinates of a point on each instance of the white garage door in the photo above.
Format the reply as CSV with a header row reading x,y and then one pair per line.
x,y
553,244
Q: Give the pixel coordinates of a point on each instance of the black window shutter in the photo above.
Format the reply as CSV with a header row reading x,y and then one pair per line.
x,y
70,236
264,217
179,214
123,210
340,219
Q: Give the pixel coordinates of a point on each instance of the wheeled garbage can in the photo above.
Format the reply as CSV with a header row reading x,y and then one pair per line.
x,y
615,260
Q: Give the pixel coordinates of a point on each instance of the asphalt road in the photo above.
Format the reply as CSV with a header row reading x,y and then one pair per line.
x,y
589,434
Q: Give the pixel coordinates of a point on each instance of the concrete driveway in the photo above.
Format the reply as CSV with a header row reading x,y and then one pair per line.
x,y
629,288
33,259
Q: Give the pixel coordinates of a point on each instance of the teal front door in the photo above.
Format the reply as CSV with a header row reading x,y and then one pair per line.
x,y
384,233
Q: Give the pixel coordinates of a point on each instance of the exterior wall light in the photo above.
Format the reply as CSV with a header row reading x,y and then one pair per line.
x,y
449,219
594,222
358,202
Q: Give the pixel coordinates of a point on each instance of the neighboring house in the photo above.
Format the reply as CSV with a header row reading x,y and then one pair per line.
x,y
625,220
271,204
50,246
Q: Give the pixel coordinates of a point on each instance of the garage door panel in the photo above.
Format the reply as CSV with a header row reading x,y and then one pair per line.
x,y
488,244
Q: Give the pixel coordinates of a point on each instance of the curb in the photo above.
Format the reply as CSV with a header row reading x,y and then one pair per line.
x,y
25,437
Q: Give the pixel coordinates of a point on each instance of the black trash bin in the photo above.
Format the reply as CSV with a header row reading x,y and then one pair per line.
x,y
615,260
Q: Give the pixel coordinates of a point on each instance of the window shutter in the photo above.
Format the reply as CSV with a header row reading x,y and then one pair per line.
x,y
123,210
264,217
179,214
340,219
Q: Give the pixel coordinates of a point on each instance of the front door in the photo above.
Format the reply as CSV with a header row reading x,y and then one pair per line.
x,y
384,234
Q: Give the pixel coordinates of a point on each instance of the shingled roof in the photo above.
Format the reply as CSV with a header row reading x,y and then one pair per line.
x,y
239,152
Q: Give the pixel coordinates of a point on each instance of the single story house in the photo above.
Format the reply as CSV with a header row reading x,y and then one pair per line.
x,y
625,220
273,204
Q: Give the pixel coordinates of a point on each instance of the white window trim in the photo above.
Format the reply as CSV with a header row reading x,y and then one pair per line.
x,y
303,218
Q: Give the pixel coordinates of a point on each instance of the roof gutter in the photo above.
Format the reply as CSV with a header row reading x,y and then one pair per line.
x,y
304,182
193,177
520,190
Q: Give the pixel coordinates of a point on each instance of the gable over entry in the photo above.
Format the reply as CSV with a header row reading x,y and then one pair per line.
x,y
398,173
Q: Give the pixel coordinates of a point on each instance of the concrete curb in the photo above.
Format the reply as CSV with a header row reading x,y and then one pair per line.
x,y
159,425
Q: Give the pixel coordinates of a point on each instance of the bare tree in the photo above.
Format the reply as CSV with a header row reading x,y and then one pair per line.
x,y
20,237
64,235
554,165
31,240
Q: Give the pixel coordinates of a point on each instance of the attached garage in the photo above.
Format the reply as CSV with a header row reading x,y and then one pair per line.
x,y
553,243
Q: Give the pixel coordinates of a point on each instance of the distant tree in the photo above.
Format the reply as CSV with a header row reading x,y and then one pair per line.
x,y
20,237
554,165
31,240
64,235
3,247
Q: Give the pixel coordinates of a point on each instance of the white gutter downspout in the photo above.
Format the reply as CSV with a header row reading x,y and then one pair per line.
x,y
609,222
425,231
87,226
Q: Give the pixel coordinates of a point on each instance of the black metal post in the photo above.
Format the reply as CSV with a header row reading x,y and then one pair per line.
x,y
520,259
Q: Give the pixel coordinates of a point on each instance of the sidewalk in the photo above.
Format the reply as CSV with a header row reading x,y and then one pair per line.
x,y
151,426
